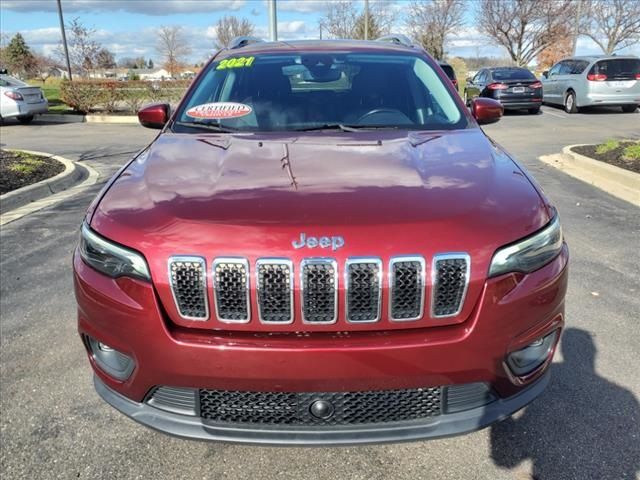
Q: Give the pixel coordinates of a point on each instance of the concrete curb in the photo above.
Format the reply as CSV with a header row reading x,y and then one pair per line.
x,y
92,179
72,118
22,196
111,119
618,182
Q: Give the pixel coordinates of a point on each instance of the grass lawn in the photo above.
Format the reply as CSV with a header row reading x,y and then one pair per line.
x,y
621,153
51,89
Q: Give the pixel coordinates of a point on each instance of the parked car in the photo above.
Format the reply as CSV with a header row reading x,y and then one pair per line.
x,y
514,87
594,81
19,100
448,69
321,246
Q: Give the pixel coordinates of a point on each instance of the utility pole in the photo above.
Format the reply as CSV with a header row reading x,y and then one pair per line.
x,y
64,40
366,19
576,30
273,21
320,23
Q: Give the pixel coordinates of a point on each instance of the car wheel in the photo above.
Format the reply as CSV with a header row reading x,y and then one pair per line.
x,y
570,103
26,119
534,111
629,108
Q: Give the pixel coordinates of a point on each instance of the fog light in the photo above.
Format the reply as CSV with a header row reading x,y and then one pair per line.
x,y
526,360
111,361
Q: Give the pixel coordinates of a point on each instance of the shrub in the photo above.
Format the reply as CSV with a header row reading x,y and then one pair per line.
x,y
86,95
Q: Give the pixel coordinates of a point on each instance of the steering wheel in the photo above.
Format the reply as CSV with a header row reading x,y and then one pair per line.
x,y
378,111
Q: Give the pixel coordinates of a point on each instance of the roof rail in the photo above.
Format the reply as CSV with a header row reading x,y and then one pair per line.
x,y
398,39
239,42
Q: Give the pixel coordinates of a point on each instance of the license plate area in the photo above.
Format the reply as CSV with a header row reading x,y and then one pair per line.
x,y
517,89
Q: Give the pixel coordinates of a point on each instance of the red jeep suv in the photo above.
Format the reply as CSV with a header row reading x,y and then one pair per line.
x,y
321,246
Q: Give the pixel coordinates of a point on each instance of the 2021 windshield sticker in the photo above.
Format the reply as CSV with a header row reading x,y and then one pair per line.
x,y
219,110
235,62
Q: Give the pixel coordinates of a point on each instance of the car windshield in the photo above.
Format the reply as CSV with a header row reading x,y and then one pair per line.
x,y
310,91
618,68
6,81
513,74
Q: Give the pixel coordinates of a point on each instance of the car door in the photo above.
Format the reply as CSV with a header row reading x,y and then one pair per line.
x,y
550,84
478,84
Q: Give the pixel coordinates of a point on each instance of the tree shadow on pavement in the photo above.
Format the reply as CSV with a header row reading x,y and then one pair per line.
x,y
583,426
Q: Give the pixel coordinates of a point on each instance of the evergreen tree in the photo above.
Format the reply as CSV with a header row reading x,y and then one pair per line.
x,y
150,64
19,58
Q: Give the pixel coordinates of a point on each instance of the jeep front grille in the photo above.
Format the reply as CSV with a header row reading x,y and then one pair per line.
x,y
292,408
231,289
450,276
363,284
319,290
317,281
188,280
406,288
274,286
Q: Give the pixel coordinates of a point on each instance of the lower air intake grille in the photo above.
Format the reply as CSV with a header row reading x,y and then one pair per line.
x,y
174,399
451,273
189,286
407,288
287,408
363,290
319,290
231,287
275,290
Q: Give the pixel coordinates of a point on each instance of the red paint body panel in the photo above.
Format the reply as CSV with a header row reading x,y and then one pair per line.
x,y
414,193
508,314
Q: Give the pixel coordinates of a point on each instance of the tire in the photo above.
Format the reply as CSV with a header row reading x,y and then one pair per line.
x,y
25,120
629,108
534,111
570,102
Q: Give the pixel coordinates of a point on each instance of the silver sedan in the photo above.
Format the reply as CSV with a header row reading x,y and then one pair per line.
x,y
19,100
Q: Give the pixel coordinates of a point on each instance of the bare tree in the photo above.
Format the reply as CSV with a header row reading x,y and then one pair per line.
x,y
105,59
229,27
173,48
82,48
612,24
344,19
524,27
431,22
43,66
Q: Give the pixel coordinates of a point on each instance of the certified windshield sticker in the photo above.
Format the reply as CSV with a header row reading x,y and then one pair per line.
x,y
219,110
235,62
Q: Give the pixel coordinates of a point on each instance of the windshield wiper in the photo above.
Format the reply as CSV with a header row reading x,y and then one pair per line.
x,y
207,126
329,126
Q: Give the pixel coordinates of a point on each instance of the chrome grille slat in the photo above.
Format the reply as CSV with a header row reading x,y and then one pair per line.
x,y
450,278
274,287
319,290
188,281
406,288
231,290
363,285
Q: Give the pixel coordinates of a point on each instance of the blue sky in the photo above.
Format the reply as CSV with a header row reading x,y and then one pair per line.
x,y
128,27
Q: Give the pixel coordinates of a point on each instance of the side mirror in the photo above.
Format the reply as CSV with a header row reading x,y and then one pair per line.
x,y
545,74
155,115
469,80
486,110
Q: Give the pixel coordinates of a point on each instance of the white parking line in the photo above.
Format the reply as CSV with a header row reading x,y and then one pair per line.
x,y
554,113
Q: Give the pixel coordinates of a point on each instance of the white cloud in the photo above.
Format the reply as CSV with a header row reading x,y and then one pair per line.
x,y
300,6
146,7
297,27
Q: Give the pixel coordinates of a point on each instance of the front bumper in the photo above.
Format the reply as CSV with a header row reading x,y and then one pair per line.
x,y
512,312
436,427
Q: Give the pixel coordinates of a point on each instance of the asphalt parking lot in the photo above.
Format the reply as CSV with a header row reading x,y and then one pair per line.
x,y
585,426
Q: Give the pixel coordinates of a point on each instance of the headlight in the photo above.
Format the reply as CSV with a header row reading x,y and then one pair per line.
x,y
111,259
531,253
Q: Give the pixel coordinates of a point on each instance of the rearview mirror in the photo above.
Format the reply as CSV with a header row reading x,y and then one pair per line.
x,y
155,115
486,110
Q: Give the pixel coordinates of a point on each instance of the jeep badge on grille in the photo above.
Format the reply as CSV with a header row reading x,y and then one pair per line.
x,y
323,242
